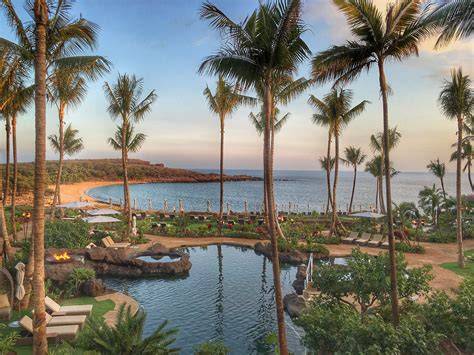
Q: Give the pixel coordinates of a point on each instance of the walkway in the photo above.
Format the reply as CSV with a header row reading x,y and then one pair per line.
x,y
118,298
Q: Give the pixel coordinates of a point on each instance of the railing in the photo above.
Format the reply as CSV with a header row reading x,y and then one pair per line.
x,y
309,272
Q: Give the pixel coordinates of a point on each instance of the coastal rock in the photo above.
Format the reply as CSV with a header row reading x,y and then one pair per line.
x,y
294,304
108,255
93,288
59,273
298,284
294,257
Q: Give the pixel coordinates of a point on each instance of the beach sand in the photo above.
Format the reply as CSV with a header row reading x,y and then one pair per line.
x,y
77,191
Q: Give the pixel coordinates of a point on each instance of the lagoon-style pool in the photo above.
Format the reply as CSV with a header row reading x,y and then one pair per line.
x,y
227,296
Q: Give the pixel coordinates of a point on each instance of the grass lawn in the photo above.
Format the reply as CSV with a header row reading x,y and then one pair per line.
x,y
468,271
98,310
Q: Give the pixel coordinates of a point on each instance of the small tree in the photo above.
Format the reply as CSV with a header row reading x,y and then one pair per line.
x,y
438,169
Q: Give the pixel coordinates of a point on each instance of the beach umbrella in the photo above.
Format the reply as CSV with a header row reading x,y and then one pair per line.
x,y
103,212
181,206
208,206
150,207
245,207
165,206
100,219
20,276
369,215
76,204
134,225
134,203
228,207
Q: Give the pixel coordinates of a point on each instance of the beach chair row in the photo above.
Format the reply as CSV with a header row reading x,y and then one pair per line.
x,y
366,239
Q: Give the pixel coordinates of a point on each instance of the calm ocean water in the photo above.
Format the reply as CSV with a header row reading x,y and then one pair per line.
x,y
305,190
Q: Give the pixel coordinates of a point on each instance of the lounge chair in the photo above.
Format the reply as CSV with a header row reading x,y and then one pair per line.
x,y
109,243
364,239
351,238
58,310
55,333
376,240
80,320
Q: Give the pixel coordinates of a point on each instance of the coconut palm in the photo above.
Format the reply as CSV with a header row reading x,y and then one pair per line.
x,y
353,157
327,164
258,51
72,144
377,38
376,168
226,99
126,337
430,200
457,102
467,154
6,185
20,99
335,111
125,103
456,18
133,141
376,144
438,169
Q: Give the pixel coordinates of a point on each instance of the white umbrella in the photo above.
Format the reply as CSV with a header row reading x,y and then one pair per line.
x,y
102,212
76,204
20,276
370,215
134,225
100,219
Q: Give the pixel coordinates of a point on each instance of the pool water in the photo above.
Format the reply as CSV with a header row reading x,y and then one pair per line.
x,y
157,259
227,296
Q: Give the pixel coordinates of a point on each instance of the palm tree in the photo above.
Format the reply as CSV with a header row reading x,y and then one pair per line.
x,y
327,164
353,157
455,18
457,102
374,167
258,51
467,154
20,99
126,337
335,111
72,144
6,186
377,38
223,103
376,144
133,141
124,103
40,343
439,170
430,199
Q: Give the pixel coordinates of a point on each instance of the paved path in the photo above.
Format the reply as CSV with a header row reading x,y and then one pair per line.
x,y
118,298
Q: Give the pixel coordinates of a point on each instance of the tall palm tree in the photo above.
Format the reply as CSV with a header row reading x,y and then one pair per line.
x,y
67,89
353,156
374,167
20,99
467,154
72,144
438,169
430,200
6,185
377,38
258,51
327,164
377,146
456,18
133,141
335,111
40,344
457,102
125,103
226,99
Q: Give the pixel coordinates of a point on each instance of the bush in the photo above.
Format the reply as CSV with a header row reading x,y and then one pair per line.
x,y
410,248
66,234
316,248
76,278
442,236
211,348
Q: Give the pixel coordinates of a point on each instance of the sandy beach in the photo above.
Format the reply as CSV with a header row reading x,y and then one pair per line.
x,y
77,191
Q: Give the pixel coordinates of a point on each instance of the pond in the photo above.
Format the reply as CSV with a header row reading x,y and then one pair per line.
x,y
157,258
227,296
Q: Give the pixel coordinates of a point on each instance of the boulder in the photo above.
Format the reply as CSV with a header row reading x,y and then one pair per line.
x,y
294,257
298,284
93,288
294,304
108,255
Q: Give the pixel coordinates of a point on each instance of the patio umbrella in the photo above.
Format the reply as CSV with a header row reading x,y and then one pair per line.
x,y
208,206
76,204
20,276
134,225
103,212
100,219
369,215
165,206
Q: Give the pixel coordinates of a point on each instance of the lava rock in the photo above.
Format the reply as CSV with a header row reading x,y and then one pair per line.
x,y
298,284
294,304
93,288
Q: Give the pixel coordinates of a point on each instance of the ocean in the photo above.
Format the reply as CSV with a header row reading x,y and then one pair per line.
x,y
300,191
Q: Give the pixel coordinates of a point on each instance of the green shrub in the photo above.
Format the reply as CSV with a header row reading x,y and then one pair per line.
x,y
410,248
316,248
8,339
211,348
442,236
66,234
76,278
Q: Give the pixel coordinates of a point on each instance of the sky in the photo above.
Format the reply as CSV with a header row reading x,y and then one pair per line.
x,y
164,41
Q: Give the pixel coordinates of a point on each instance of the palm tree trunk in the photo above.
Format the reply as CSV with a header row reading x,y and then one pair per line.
x,y
377,190
469,173
272,156
268,105
15,178
353,188
40,344
221,176
57,190
442,187
30,267
336,173
458,195
328,173
6,249
126,192
382,202
388,187
6,187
